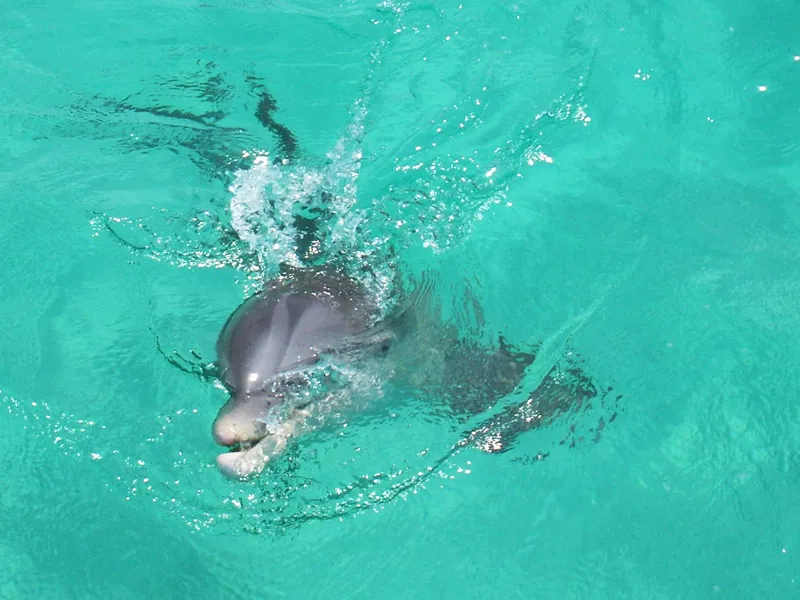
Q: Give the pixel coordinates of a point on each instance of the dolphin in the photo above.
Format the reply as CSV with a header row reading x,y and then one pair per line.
x,y
270,345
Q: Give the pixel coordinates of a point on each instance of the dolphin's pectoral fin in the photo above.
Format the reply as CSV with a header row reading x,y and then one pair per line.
x,y
193,366
564,390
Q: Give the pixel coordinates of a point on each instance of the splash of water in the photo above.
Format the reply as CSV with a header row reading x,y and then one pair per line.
x,y
268,197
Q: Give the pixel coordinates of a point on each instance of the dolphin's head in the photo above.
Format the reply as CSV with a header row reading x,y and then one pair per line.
x,y
271,342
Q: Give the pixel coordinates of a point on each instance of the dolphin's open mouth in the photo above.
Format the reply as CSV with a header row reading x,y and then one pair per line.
x,y
243,446
243,458
246,443
254,428
246,458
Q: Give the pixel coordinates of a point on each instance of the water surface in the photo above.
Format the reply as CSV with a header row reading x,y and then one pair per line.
x,y
616,180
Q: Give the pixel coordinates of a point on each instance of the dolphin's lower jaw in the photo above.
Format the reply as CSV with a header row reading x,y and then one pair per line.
x,y
242,464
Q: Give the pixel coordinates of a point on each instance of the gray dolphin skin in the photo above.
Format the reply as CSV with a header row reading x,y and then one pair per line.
x,y
266,346
272,341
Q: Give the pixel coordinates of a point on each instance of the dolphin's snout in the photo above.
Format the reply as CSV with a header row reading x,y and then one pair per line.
x,y
240,420
228,430
225,432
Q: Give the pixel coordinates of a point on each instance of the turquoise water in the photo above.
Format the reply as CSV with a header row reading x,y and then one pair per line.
x,y
618,180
